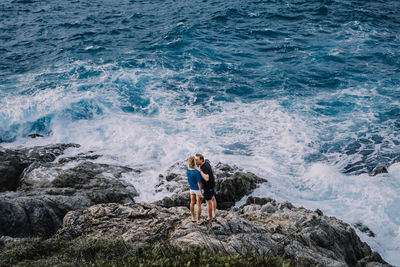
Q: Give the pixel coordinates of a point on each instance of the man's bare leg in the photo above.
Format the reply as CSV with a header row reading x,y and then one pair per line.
x,y
209,209
214,209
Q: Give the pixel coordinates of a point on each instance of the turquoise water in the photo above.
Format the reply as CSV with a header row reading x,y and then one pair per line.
x,y
303,93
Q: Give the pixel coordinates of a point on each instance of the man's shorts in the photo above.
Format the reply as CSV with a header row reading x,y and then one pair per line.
x,y
209,193
194,192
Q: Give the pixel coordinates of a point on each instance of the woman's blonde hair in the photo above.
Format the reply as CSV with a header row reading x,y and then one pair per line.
x,y
191,162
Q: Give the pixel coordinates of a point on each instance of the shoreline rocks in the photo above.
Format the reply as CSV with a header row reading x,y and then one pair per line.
x,y
13,162
75,197
47,190
276,229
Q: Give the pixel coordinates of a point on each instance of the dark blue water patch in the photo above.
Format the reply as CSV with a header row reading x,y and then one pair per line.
x,y
40,126
9,135
237,149
82,110
333,108
83,72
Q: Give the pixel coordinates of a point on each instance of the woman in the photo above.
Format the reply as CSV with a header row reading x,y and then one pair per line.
x,y
196,196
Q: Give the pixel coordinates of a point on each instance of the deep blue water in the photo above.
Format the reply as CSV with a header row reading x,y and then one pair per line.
x,y
302,92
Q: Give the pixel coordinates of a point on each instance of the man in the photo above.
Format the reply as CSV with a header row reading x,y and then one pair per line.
x,y
209,185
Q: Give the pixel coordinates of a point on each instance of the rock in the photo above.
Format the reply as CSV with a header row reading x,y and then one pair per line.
x,y
35,135
14,161
289,232
136,222
365,229
268,208
378,170
233,188
394,161
7,241
48,190
10,169
232,184
79,157
319,212
259,201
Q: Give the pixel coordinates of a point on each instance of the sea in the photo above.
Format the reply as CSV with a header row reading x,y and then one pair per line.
x,y
304,93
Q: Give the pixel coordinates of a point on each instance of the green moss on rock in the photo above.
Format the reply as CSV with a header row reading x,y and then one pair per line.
x,y
109,252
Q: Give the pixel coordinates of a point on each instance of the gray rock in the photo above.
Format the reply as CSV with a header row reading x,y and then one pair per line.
x,y
14,161
231,189
365,229
378,170
269,208
259,201
289,232
48,190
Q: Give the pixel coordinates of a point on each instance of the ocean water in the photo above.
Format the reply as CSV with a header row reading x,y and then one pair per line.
x,y
303,93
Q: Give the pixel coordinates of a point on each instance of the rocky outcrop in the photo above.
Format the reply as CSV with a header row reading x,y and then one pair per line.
x,y
263,225
47,190
13,162
378,170
232,184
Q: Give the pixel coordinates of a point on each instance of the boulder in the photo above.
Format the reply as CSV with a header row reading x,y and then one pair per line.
x,y
14,161
378,170
231,189
48,190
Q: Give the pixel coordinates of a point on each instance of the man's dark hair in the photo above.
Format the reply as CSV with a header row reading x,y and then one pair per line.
x,y
201,157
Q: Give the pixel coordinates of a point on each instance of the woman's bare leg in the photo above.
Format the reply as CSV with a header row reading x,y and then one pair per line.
x,y
192,202
198,200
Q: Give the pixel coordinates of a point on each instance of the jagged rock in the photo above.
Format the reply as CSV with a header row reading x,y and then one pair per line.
x,y
378,170
79,157
14,161
48,190
35,135
365,229
232,184
233,188
136,222
269,228
259,201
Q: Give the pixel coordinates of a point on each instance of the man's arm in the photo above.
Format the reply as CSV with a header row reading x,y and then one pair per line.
x,y
206,177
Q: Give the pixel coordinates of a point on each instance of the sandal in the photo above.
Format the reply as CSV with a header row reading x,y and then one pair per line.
x,y
200,222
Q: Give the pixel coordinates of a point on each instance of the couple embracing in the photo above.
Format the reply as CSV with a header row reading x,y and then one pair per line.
x,y
200,177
